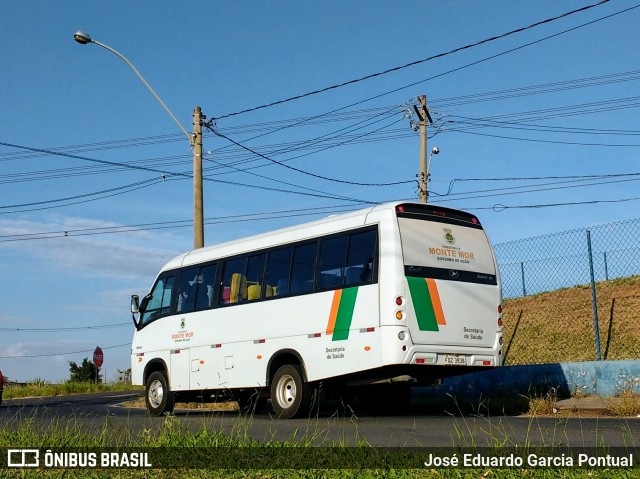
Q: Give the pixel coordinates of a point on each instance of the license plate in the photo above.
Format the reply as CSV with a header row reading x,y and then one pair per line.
x,y
454,359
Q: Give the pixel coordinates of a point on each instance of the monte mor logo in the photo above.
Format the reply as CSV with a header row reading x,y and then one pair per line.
x,y
448,236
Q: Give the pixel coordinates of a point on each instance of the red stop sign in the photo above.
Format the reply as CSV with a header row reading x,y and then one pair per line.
x,y
98,357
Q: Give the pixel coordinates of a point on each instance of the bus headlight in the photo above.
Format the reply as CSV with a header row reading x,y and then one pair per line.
x,y
401,336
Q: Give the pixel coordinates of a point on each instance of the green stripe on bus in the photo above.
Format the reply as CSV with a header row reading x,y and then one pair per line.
x,y
345,314
422,304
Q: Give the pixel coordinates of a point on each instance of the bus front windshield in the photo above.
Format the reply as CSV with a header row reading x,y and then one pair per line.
x,y
160,302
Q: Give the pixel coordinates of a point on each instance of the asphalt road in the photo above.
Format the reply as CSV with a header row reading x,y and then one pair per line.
x,y
91,412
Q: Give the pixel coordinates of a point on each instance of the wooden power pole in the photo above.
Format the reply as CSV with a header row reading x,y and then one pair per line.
x,y
198,209
422,194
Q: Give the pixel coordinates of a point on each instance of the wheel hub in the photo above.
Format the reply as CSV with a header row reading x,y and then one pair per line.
x,y
156,394
286,392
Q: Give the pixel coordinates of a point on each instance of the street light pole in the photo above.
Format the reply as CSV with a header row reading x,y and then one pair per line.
x,y
195,140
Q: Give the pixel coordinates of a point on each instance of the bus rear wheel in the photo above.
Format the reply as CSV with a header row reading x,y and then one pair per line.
x,y
157,396
290,395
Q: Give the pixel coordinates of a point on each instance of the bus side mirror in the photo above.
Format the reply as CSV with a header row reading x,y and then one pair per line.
x,y
135,304
135,309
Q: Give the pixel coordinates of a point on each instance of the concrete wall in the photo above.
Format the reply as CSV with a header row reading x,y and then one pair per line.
x,y
601,378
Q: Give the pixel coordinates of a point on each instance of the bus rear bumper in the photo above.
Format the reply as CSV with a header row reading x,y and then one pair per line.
x,y
451,359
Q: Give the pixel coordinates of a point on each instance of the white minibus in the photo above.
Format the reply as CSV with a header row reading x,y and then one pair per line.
x,y
377,301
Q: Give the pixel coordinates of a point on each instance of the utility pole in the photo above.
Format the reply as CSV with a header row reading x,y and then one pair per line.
x,y
198,214
422,193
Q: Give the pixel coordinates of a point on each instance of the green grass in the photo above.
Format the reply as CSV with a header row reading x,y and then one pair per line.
x,y
40,388
171,438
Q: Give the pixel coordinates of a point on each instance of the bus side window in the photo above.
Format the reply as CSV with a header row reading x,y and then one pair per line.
x,y
278,270
331,268
255,276
187,290
304,260
362,250
160,302
234,283
204,293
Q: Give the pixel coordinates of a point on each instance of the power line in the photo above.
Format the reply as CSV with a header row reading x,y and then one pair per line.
x,y
486,59
69,198
54,330
568,110
524,125
536,89
280,163
247,171
491,57
411,64
326,117
536,189
172,174
310,143
500,207
555,142
175,224
619,177
68,353
339,115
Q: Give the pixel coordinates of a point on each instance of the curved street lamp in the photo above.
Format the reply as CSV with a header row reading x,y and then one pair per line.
x,y
195,140
84,38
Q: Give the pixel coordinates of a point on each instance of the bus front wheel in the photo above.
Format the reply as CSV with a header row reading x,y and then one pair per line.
x,y
157,396
290,395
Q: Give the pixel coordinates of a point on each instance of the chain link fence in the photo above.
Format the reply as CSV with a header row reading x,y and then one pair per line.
x,y
572,296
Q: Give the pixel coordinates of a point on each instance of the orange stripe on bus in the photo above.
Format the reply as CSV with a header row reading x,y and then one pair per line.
x,y
435,300
333,315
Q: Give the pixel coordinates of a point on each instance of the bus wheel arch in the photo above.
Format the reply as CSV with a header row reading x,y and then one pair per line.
x,y
282,358
157,394
291,394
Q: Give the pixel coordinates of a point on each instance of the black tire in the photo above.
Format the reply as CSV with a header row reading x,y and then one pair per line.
x,y
290,395
157,395
251,401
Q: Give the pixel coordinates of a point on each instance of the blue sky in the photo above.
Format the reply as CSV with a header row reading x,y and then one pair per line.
x,y
564,106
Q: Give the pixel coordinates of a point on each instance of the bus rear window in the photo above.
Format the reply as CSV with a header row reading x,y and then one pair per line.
x,y
451,247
